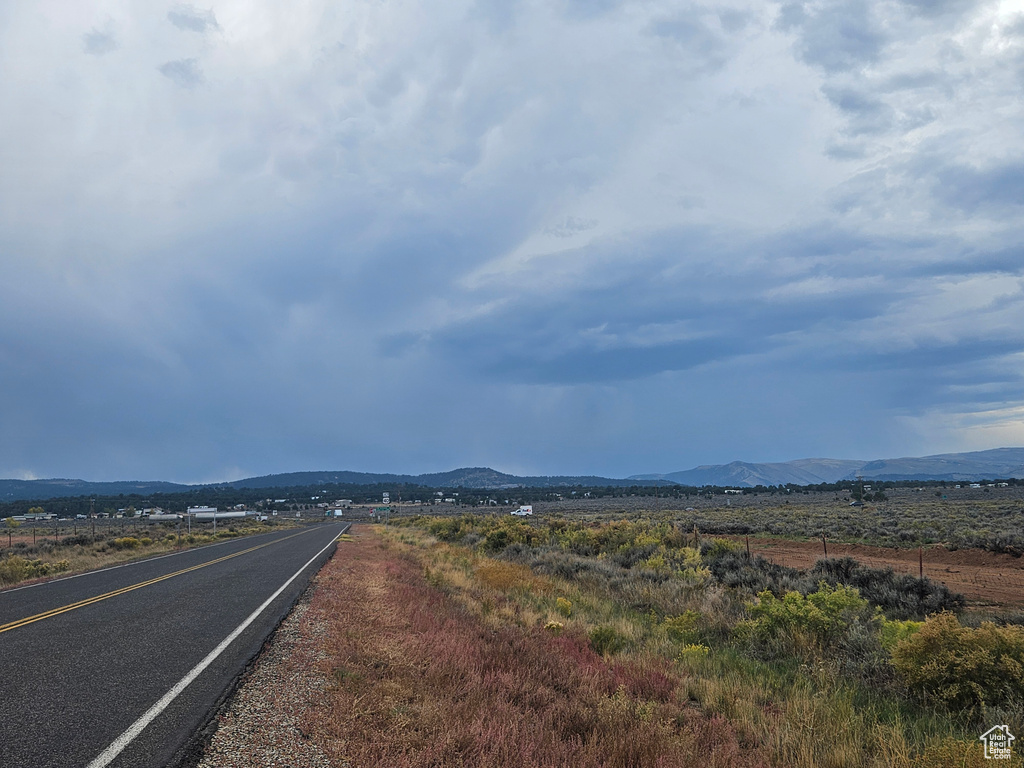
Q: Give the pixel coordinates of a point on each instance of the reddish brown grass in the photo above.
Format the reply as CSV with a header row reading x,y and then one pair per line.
x,y
420,681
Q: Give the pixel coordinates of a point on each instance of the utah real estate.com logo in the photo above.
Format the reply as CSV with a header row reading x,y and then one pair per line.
x,y
997,742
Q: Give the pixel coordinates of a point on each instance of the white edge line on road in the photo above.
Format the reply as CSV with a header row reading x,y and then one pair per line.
x,y
126,738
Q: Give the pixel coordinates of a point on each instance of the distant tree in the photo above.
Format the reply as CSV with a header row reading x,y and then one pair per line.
x,y
36,511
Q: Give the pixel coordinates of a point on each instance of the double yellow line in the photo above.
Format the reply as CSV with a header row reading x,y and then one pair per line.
x,y
89,601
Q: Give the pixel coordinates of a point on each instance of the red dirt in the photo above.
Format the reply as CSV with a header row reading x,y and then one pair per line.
x,y
986,579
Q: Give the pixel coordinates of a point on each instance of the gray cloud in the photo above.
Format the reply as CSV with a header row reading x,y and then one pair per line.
x,y
694,38
837,35
185,73
971,189
570,226
413,238
934,8
188,18
865,113
97,43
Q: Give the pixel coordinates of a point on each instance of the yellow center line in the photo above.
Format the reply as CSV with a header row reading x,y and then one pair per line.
x,y
90,600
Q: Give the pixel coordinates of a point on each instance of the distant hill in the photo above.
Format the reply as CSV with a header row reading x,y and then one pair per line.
x,y
966,467
956,467
474,477
746,475
16,490
977,465
470,477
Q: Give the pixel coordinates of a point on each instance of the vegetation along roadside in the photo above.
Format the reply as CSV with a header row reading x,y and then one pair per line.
x,y
485,640
35,552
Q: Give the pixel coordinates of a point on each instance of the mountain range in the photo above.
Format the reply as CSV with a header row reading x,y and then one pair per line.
x,y
955,467
1001,463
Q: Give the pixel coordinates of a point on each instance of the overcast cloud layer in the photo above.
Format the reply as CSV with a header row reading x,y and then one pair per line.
x,y
558,237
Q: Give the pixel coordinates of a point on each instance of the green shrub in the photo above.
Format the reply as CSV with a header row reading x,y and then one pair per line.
x,y
833,621
605,639
894,632
496,541
712,549
900,595
563,606
15,569
823,614
693,652
961,667
682,628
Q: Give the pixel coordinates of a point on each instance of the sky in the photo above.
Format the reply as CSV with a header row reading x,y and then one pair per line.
x,y
563,237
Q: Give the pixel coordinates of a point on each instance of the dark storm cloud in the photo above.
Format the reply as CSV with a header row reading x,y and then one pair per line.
x,y
836,35
971,189
576,335
542,236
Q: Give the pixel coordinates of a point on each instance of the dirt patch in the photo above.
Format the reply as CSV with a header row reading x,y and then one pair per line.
x,y
986,579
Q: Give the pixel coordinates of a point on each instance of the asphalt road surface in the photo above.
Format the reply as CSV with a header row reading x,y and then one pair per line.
x,y
123,667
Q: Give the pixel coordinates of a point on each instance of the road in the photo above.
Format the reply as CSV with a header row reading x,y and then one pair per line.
x,y
124,666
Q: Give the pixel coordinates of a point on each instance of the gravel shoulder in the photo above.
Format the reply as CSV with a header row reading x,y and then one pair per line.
x,y
259,724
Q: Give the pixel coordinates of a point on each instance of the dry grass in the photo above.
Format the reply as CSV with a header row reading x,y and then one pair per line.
x,y
445,661
438,655
77,554
807,718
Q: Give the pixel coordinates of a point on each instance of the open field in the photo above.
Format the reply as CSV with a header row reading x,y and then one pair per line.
x,y
38,551
413,675
487,640
986,579
991,518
